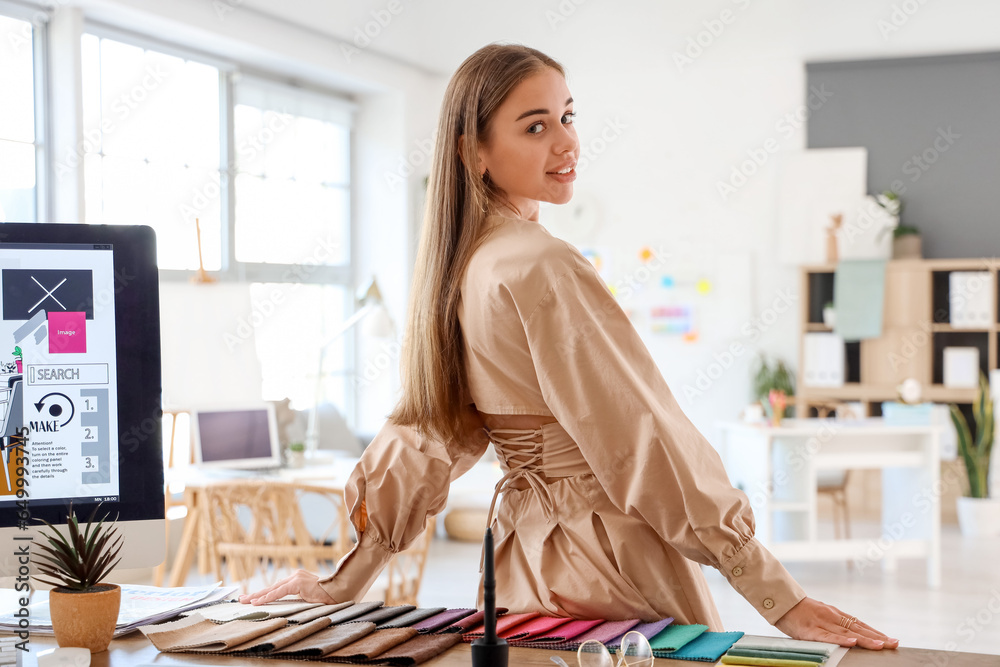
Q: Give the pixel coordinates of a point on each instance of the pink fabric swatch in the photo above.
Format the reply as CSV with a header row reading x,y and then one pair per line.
x,y
504,623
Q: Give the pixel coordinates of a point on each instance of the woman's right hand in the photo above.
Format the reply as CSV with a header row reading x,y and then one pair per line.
x,y
303,584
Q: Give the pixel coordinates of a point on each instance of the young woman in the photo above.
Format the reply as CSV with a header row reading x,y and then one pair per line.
x,y
611,496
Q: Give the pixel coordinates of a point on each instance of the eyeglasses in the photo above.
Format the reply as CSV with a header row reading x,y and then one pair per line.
x,y
633,652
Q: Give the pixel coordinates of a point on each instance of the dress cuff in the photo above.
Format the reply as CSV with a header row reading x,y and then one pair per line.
x,y
358,570
762,580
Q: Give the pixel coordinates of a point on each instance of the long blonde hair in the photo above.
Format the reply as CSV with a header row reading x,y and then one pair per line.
x,y
459,201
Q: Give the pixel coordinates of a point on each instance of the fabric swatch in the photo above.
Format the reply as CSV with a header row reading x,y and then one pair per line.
x,y
539,627
326,641
442,620
419,649
385,613
316,612
281,638
193,633
471,621
604,632
647,630
707,647
785,655
409,619
785,644
373,645
506,625
764,662
674,637
563,633
353,612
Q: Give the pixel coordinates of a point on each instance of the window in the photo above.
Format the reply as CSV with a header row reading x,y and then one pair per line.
x,y
292,151
19,145
265,169
152,147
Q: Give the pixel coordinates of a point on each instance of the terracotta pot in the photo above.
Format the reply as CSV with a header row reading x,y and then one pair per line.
x,y
87,618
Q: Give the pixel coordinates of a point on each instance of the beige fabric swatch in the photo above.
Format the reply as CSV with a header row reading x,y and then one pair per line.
x,y
326,641
284,636
194,633
316,612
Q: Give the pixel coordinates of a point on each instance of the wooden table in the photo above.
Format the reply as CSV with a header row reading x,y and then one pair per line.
x,y
135,650
194,538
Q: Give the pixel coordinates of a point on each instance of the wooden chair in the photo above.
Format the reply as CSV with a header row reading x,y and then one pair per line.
x,y
400,583
258,530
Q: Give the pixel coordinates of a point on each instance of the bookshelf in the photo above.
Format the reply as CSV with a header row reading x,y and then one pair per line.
x,y
916,329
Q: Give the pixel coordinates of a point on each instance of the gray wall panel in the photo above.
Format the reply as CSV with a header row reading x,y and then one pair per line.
x,y
932,129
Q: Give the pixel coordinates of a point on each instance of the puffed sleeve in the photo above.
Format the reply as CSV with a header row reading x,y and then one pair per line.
x,y
603,387
402,479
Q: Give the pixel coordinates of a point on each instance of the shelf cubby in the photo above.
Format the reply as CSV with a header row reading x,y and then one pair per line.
x,y
943,339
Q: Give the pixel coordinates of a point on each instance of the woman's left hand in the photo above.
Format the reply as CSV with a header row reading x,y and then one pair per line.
x,y
815,621
301,583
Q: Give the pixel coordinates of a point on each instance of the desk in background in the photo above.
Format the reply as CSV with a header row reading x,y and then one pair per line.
x,y
195,540
777,466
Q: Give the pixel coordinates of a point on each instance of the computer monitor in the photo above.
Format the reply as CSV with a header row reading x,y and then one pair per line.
x,y
80,381
236,437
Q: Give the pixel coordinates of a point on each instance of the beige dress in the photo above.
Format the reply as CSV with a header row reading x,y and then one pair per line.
x,y
607,510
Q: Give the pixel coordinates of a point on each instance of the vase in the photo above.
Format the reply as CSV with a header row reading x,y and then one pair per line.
x,y
86,618
829,317
18,363
979,517
907,246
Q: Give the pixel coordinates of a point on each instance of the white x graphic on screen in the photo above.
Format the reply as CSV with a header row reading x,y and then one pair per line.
x,y
48,294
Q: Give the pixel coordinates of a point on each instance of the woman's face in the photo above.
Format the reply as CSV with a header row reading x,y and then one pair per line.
x,y
531,138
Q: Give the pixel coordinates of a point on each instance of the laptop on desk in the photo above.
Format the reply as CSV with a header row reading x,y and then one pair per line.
x,y
237,438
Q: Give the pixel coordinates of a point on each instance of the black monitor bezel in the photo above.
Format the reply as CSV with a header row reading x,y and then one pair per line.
x,y
137,334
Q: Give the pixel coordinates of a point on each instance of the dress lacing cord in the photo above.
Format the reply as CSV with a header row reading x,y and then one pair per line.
x,y
528,468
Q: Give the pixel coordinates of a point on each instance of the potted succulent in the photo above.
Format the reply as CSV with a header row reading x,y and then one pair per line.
x,y
84,611
18,358
978,514
296,455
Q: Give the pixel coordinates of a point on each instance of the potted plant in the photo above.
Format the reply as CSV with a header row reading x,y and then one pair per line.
x,y
978,514
84,611
296,455
18,358
770,377
906,243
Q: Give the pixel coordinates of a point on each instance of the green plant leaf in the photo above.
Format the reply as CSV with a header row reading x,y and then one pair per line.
x,y
965,448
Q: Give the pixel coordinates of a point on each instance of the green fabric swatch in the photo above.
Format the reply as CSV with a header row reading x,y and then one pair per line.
x,y
786,655
764,662
675,636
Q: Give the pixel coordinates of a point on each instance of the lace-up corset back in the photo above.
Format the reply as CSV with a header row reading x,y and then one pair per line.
x,y
534,458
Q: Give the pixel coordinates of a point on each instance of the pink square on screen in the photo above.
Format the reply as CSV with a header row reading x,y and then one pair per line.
x,y
67,332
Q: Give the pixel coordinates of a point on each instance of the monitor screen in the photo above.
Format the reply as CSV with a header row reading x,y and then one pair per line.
x,y
236,438
79,375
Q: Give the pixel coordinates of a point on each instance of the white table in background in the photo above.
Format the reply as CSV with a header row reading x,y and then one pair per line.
x,y
777,467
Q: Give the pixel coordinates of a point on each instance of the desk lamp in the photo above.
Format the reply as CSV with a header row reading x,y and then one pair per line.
x,y
378,325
